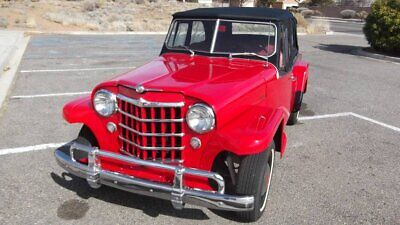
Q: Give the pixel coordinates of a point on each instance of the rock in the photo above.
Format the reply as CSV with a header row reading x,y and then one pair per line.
x,y
31,22
3,22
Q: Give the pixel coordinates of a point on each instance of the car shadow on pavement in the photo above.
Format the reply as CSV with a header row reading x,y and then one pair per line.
x,y
150,206
337,48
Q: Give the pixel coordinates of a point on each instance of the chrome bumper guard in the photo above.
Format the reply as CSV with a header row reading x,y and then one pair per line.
x,y
177,193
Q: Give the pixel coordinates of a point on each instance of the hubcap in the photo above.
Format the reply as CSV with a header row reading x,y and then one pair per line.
x,y
268,180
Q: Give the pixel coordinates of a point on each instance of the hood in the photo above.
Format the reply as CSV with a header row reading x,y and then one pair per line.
x,y
216,81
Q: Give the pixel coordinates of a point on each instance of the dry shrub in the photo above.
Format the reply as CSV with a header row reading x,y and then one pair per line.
x,y
317,13
89,6
301,22
362,15
318,27
3,22
348,14
301,9
307,13
140,2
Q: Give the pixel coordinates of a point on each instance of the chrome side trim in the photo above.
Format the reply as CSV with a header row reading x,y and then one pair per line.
x,y
150,148
144,103
214,36
149,120
152,134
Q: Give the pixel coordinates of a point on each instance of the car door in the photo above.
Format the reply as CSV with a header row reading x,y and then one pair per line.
x,y
280,91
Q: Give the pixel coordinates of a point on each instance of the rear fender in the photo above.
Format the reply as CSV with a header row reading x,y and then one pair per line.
x,y
300,71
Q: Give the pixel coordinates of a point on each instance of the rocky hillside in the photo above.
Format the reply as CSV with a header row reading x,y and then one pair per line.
x,y
89,15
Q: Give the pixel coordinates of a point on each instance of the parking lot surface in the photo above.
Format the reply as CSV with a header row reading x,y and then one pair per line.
x,y
341,165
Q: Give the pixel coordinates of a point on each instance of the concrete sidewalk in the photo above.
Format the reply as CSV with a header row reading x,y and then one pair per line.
x,y
8,45
12,47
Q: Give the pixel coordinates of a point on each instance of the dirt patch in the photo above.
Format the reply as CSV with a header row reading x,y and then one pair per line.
x,y
73,209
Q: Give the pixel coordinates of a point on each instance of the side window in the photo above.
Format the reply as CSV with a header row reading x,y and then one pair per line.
x,y
198,33
178,34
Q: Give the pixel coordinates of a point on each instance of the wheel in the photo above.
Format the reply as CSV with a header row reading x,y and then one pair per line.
x,y
293,118
254,178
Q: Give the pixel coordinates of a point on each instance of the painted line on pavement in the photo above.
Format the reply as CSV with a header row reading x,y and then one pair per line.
x,y
317,117
8,151
75,70
50,95
335,115
376,122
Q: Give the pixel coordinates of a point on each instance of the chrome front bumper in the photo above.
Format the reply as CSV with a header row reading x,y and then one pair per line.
x,y
178,194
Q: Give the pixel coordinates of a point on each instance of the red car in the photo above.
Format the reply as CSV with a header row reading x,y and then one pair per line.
x,y
200,124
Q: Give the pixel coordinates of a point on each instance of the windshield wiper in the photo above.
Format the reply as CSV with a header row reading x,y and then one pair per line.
x,y
188,49
231,55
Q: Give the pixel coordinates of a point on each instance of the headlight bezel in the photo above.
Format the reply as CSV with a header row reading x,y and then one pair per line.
x,y
111,97
210,113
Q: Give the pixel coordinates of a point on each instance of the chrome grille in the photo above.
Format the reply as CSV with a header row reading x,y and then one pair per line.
x,y
151,130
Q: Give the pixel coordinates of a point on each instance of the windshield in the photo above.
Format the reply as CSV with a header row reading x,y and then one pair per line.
x,y
223,37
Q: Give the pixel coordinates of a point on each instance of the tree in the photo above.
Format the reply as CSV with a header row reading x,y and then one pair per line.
x,y
382,27
265,3
239,3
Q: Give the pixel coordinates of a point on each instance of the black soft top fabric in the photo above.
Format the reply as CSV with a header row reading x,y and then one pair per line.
x,y
237,13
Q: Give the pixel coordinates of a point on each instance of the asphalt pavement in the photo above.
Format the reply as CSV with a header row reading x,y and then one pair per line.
x,y
341,26
338,168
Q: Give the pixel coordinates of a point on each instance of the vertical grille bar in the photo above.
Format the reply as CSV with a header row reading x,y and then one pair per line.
x,y
150,133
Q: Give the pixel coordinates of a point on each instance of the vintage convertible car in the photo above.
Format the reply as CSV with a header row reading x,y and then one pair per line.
x,y
200,124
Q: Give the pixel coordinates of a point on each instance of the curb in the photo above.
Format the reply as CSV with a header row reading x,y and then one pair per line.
x,y
338,19
96,33
7,77
361,52
9,53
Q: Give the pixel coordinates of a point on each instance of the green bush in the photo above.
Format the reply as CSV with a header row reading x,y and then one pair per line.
x,y
382,27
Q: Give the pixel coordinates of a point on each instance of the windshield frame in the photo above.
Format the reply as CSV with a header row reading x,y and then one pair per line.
x,y
215,34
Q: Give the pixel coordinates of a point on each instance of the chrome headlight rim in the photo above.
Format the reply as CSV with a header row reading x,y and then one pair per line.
x,y
209,112
112,97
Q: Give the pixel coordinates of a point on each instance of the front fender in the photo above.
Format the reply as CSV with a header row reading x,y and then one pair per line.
x,y
251,133
80,110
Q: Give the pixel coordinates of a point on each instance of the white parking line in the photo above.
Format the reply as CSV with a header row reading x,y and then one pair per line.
x,y
76,70
317,117
50,95
351,114
376,122
29,148
325,116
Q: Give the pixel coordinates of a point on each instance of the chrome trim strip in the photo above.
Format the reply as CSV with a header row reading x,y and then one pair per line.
x,y
214,36
150,148
149,120
144,103
152,134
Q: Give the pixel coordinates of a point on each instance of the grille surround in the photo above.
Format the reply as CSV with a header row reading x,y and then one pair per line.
x,y
151,130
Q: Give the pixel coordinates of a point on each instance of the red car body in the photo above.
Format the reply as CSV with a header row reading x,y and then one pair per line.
x,y
240,80
251,102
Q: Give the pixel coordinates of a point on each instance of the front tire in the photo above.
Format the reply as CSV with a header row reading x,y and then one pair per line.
x,y
254,178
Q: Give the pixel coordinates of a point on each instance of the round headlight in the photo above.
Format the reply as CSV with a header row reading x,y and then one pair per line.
x,y
105,103
200,118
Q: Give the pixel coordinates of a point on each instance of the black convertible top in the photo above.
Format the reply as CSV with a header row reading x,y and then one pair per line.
x,y
237,13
